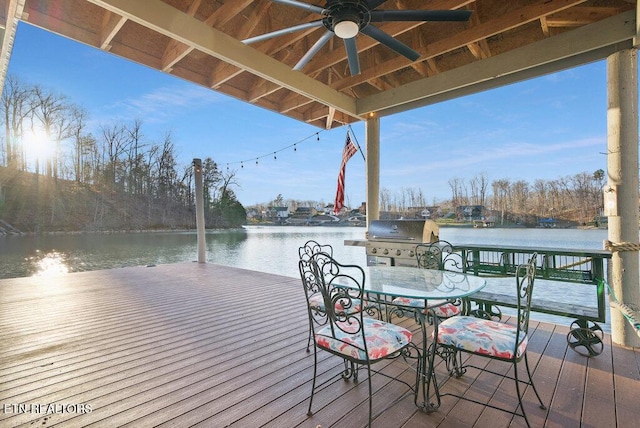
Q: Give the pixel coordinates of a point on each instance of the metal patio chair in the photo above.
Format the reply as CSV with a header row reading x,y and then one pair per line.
x,y
437,255
308,250
491,339
359,340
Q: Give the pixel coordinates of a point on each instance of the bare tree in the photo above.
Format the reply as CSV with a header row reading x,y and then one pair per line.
x,y
17,106
500,195
458,191
52,114
135,176
115,143
541,197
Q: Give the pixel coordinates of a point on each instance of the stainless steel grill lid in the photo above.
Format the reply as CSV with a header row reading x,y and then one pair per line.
x,y
397,230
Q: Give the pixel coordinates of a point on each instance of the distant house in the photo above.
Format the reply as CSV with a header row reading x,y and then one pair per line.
x,y
277,214
470,212
253,214
425,212
301,216
328,209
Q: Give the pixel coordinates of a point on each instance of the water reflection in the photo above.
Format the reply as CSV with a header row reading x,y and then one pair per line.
x,y
267,249
50,264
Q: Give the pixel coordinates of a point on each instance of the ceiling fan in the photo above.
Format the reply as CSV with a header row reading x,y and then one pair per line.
x,y
347,18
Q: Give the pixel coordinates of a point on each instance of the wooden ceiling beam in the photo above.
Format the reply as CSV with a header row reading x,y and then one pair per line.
x,y
544,26
292,101
175,50
330,116
579,16
392,28
515,18
111,24
338,55
222,74
162,18
480,49
588,43
261,89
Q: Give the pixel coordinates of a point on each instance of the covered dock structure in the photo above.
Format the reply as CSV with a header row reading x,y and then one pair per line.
x,y
208,42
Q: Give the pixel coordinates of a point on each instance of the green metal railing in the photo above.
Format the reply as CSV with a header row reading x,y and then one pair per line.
x,y
555,264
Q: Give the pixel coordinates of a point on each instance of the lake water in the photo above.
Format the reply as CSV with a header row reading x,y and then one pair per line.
x,y
272,249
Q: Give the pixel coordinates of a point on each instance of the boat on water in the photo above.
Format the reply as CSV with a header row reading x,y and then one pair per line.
x,y
483,223
357,220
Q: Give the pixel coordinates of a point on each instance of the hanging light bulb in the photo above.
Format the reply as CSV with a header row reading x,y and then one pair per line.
x,y
294,147
274,155
241,164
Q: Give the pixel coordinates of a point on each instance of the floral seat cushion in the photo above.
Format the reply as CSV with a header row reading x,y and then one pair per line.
x,y
481,336
347,306
443,310
383,339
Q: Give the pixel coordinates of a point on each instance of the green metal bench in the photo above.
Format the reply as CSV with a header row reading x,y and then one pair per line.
x,y
585,267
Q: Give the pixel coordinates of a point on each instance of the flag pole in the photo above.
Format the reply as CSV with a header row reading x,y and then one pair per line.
x,y
353,134
349,150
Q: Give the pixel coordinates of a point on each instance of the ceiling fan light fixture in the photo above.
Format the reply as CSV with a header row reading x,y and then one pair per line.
x,y
346,29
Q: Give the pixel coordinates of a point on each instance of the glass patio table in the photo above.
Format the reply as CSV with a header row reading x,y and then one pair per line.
x,y
436,287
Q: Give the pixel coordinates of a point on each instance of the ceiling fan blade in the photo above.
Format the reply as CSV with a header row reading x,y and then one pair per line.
x,y
301,5
372,4
390,42
314,50
420,15
277,33
352,56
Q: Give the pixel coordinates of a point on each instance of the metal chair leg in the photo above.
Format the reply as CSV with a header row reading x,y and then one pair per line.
x,y
526,364
313,383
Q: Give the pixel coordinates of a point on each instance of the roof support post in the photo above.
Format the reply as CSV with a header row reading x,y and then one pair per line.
x,y
200,225
372,136
622,172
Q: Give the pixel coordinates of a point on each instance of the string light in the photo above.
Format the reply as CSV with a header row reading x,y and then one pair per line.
x,y
274,154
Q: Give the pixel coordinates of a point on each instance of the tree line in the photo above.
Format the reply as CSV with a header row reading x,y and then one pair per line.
x,y
576,198
58,174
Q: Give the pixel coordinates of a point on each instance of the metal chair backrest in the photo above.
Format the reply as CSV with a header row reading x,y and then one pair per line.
x,y
342,288
525,276
438,255
306,252
312,247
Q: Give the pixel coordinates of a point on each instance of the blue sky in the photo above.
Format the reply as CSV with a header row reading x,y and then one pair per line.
x,y
545,128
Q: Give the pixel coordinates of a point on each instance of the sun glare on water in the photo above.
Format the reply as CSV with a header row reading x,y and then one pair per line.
x,y
51,264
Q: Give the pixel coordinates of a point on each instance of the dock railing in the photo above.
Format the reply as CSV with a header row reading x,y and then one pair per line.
x,y
577,266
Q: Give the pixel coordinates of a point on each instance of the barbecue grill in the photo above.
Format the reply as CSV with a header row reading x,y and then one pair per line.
x,y
393,242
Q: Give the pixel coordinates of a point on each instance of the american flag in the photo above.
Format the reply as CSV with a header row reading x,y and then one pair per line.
x,y
349,150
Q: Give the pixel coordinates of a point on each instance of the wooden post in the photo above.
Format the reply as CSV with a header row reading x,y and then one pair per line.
x,y
372,135
200,229
622,187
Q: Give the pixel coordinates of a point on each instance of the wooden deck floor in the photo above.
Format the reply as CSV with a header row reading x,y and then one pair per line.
x,y
205,345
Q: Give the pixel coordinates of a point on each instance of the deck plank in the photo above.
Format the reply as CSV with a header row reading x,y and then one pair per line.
x,y
206,345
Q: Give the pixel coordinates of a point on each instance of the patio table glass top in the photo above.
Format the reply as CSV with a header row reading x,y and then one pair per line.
x,y
399,281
